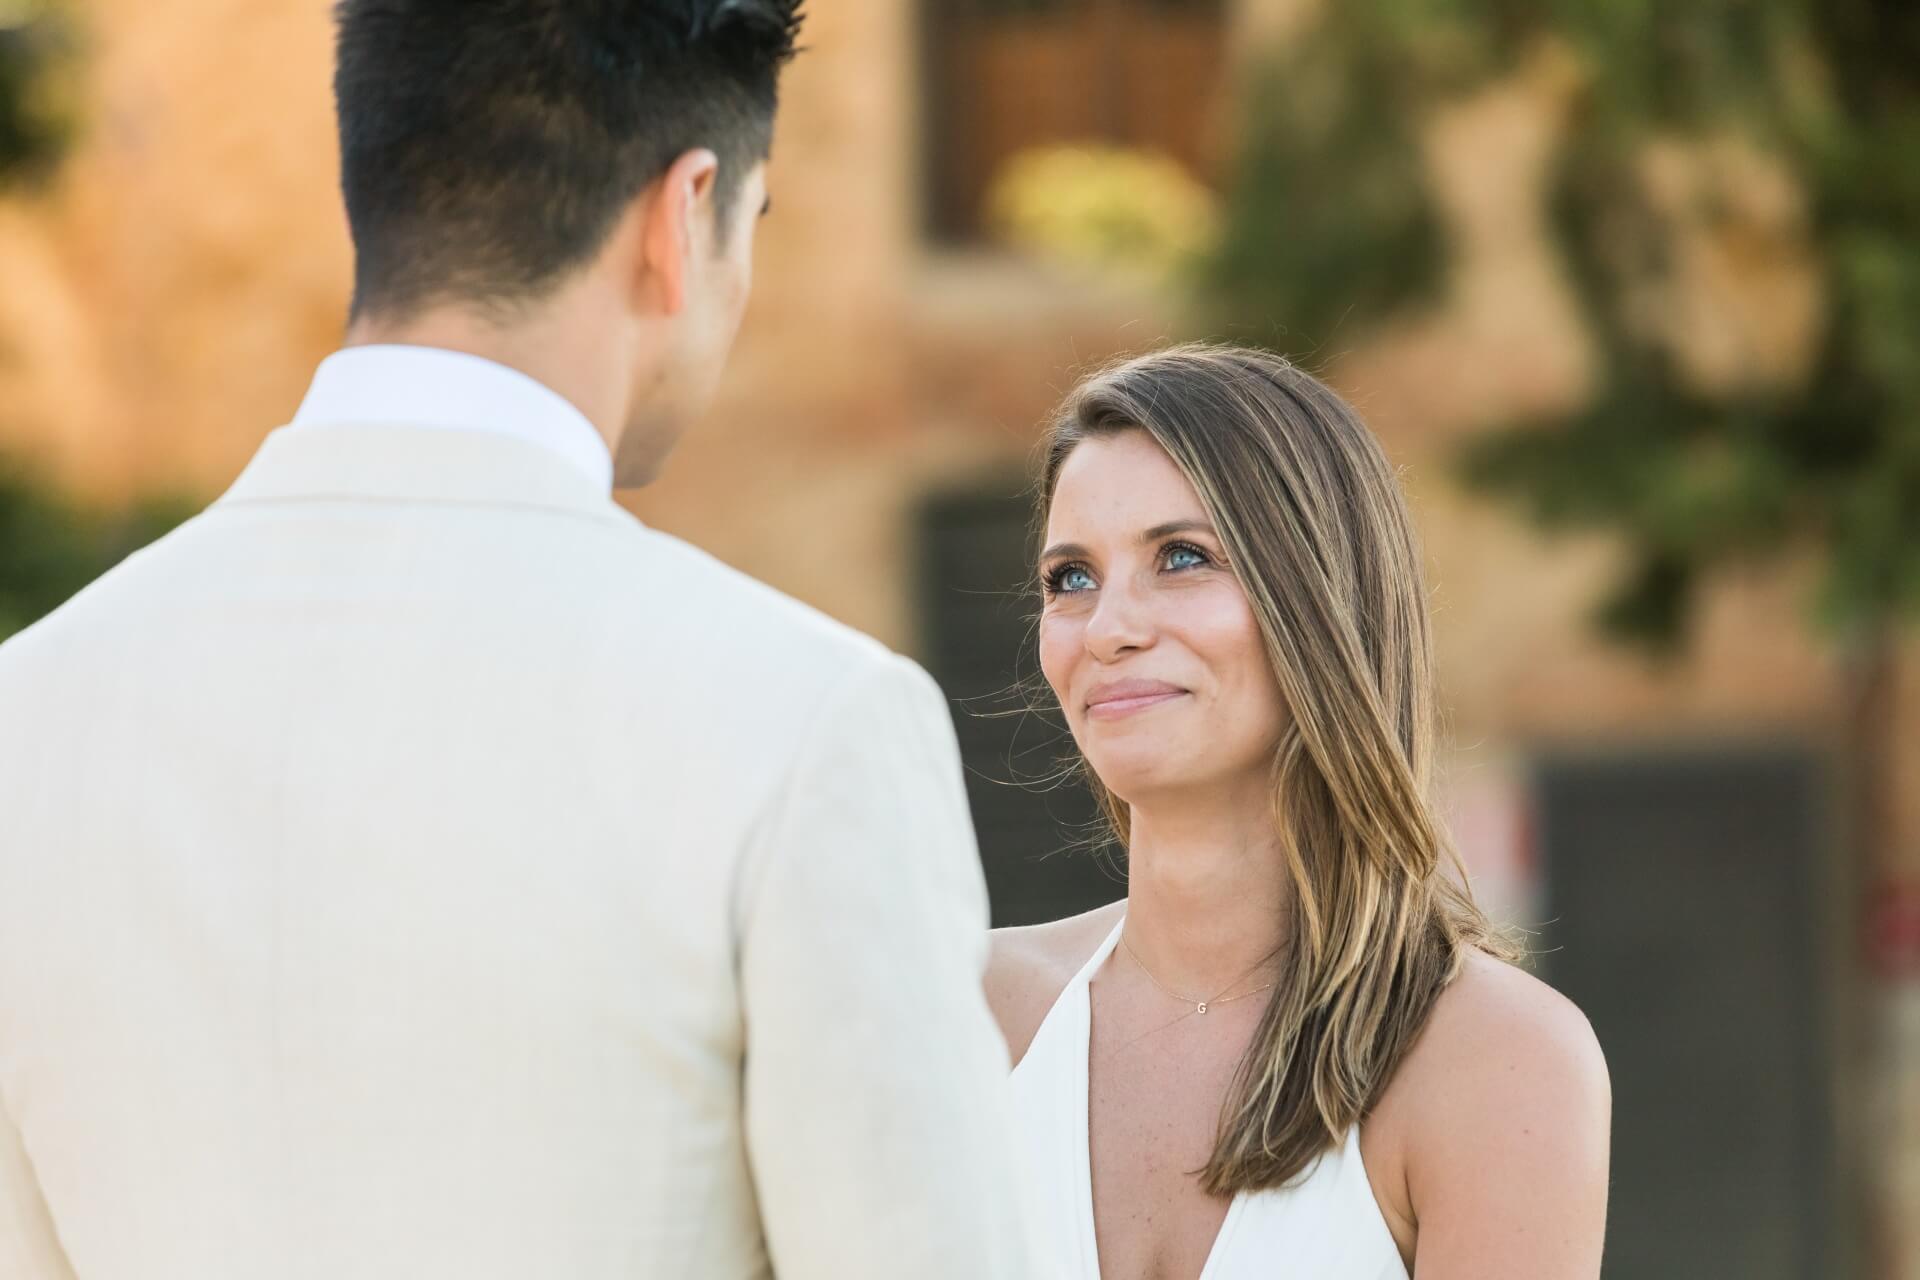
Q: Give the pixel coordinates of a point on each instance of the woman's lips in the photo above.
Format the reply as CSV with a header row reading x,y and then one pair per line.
x,y
1128,697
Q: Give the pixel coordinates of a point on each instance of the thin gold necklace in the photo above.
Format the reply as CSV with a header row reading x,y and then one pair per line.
x,y
1201,1006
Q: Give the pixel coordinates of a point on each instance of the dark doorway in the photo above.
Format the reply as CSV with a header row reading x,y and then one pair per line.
x,y
977,606
1686,892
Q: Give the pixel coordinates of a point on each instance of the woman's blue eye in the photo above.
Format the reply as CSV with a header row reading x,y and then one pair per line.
x,y
1185,557
1072,578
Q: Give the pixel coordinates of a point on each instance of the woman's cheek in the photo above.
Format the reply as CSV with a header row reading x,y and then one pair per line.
x,y
1057,646
1223,634
1222,629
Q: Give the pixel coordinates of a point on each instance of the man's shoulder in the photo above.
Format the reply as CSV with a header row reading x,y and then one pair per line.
x,y
713,603
93,614
755,665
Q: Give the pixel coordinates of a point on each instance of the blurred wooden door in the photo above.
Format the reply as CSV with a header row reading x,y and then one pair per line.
x,y
1686,894
1014,74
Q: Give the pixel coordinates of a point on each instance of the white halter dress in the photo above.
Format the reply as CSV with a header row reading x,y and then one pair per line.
x,y
1325,1227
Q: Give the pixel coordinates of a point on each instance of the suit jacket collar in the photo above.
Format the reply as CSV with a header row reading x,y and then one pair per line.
x,y
380,463
434,387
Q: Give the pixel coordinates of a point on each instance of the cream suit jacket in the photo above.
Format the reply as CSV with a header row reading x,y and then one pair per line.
x,y
415,867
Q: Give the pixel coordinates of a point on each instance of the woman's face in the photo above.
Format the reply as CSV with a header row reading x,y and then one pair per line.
x,y
1146,636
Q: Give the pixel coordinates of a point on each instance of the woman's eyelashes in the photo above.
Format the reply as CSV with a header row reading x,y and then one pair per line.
x,y
1174,550
1062,579
1072,577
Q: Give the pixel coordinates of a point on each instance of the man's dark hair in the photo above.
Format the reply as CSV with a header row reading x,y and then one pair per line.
x,y
487,147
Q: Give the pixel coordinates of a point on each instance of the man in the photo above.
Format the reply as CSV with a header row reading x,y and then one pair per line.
x,y
413,867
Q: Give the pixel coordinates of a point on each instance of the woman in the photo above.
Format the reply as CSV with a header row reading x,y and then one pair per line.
x,y
1294,1049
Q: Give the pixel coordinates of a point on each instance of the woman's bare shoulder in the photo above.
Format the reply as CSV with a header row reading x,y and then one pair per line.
x,y
1503,1106
1495,1034
1030,966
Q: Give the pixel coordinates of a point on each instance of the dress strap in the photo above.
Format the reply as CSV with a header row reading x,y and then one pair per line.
x,y
1099,957
1068,1015
1050,1096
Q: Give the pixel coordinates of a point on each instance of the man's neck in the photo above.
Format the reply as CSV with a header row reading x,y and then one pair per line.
x,y
590,376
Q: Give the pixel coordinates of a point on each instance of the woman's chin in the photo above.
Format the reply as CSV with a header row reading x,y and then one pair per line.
x,y
1138,776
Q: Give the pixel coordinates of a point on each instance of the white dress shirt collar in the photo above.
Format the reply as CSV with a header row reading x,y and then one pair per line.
x,y
430,387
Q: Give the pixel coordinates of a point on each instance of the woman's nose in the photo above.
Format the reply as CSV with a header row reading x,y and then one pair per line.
x,y
1121,623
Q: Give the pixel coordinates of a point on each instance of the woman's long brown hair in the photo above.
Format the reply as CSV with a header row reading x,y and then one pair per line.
x,y
1317,532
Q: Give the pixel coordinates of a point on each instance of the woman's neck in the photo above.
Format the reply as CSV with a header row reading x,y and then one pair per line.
x,y
1207,893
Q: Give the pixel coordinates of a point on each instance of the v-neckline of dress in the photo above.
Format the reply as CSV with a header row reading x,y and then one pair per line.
x,y
1083,1128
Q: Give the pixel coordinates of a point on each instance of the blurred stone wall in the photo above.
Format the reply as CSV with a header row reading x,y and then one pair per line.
x,y
168,298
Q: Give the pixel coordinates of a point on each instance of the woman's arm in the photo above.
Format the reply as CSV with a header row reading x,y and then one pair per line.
x,y
1507,1109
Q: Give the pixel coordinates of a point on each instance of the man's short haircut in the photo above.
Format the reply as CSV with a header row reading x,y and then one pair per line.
x,y
487,147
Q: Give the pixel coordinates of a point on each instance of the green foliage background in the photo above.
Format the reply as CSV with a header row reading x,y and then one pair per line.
x,y
50,544
1331,226
37,50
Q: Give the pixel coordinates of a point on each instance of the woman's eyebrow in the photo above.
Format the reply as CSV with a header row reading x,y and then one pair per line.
x,y
1172,527
1154,534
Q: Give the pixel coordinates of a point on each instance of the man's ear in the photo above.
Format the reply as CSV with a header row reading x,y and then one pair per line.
x,y
676,224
